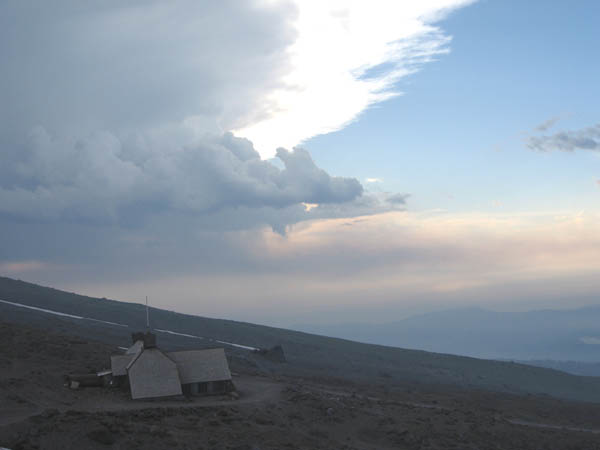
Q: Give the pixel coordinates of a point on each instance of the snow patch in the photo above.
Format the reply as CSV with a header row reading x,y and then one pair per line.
x,y
72,316
590,340
58,313
49,311
178,334
245,347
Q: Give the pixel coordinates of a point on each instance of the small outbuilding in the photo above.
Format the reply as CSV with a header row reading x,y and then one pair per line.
x,y
203,371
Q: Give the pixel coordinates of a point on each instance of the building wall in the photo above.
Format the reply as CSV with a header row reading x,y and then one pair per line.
x,y
208,388
153,375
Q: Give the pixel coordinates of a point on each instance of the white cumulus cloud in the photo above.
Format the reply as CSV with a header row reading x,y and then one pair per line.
x,y
348,56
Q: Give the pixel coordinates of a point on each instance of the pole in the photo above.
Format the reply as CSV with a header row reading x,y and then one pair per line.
x,y
147,315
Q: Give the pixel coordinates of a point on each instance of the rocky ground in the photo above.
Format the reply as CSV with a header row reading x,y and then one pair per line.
x,y
272,412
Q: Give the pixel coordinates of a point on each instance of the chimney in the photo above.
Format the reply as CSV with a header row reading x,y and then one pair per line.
x,y
137,336
149,340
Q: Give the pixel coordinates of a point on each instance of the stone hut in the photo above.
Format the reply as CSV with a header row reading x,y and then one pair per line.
x,y
152,373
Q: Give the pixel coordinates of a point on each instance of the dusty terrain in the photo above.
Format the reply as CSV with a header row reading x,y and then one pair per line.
x,y
273,412
308,355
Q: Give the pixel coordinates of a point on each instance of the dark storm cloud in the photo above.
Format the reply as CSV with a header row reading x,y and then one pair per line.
x,y
567,141
117,111
73,65
99,179
113,153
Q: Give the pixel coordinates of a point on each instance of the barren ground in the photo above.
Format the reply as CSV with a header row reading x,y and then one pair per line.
x,y
274,412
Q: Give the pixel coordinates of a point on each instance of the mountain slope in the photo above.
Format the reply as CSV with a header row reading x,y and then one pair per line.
x,y
308,355
546,334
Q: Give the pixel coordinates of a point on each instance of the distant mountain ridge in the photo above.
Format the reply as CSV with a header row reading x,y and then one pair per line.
x,y
564,335
586,369
307,355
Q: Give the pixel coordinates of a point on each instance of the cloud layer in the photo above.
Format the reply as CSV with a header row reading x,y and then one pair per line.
x,y
131,65
121,110
277,72
348,56
567,141
118,161
371,267
103,180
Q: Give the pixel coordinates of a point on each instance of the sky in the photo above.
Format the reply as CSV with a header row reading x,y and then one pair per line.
x,y
291,161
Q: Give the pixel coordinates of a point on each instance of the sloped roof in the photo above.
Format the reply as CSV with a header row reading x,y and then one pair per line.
x,y
118,364
152,374
200,366
137,347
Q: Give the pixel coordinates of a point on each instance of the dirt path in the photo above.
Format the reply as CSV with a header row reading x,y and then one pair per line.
x,y
250,389
525,423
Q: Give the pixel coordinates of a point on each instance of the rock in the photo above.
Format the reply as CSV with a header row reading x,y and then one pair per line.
x,y
274,354
48,413
102,436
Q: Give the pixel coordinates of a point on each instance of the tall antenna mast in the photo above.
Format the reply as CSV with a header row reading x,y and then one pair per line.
x,y
147,315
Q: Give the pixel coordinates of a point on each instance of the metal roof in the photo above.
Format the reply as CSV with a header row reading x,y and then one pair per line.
x,y
200,366
118,364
